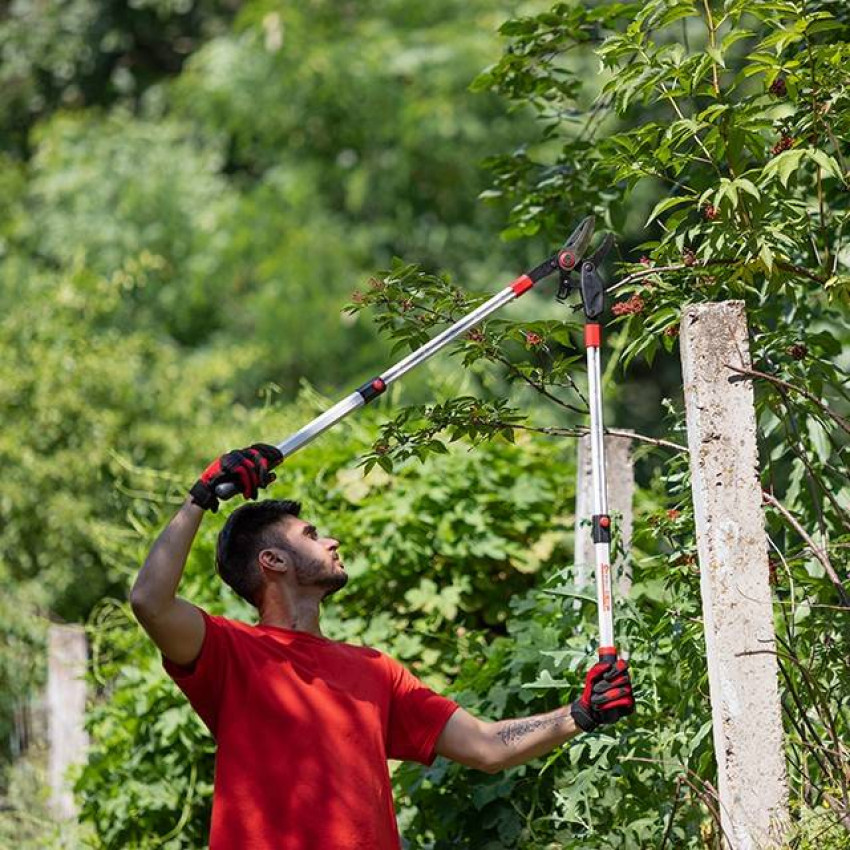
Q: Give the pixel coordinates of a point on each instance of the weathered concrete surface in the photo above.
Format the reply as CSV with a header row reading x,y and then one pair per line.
x,y
736,598
620,472
66,705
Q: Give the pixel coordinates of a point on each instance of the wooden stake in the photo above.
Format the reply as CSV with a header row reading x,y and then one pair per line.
x,y
66,705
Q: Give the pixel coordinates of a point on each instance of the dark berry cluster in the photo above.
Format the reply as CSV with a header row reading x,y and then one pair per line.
x,y
689,258
798,351
532,338
772,572
710,212
785,142
778,87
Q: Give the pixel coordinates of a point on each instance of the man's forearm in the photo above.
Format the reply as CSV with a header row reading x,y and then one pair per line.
x,y
156,584
523,739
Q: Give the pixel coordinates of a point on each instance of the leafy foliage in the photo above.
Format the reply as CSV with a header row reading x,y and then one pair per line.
x,y
723,114
85,53
146,252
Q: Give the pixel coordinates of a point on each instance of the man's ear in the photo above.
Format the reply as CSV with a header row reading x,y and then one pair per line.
x,y
274,559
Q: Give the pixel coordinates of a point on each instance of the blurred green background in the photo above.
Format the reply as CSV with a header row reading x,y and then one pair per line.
x,y
190,191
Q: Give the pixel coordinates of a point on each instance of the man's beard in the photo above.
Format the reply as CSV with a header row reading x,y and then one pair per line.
x,y
313,573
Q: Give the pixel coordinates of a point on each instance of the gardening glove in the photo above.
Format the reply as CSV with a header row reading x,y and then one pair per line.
x,y
247,469
607,696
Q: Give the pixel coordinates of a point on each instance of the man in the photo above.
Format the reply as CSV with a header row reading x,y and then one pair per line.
x,y
304,725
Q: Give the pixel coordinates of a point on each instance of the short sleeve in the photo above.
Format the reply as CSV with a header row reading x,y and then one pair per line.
x,y
417,717
203,681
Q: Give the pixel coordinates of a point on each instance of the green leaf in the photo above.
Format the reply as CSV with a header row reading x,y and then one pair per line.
x,y
825,161
666,204
678,11
727,190
716,55
783,166
748,186
734,36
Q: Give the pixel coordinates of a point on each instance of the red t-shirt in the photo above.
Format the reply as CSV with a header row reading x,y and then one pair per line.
x,y
304,727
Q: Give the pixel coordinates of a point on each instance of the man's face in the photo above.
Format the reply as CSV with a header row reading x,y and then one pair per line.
x,y
315,559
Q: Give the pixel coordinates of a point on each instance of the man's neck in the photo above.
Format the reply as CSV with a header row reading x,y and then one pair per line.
x,y
300,615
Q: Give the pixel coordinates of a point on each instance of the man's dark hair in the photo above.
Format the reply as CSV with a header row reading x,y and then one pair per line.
x,y
249,530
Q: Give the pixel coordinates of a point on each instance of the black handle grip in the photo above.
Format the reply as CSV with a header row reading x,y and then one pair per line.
x,y
226,491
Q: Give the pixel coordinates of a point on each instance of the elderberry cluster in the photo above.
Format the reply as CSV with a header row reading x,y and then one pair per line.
x,y
785,142
632,306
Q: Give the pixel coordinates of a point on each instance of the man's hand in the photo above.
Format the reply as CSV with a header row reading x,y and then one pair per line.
x,y
607,696
247,469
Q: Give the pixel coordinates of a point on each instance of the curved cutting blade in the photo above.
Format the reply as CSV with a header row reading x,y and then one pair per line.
x,y
574,248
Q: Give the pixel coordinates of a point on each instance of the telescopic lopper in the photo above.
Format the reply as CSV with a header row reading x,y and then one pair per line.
x,y
570,256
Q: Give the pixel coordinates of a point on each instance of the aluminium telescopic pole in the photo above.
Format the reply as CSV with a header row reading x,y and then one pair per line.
x,y
593,297
565,260
601,520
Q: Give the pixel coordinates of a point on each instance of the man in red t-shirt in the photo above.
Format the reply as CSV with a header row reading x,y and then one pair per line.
x,y
304,725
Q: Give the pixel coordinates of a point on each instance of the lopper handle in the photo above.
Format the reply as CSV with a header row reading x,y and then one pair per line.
x,y
226,491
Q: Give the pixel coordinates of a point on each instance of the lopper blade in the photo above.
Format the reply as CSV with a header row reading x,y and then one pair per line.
x,y
573,249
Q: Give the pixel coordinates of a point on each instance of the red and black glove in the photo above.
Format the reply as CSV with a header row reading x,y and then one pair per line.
x,y
247,469
607,696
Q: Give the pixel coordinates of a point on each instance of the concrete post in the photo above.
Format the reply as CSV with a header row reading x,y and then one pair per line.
x,y
621,487
736,600
66,705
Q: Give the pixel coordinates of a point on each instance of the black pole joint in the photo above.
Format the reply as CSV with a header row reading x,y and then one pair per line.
x,y
372,389
601,528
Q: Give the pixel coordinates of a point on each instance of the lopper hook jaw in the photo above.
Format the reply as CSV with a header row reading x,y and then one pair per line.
x,y
592,287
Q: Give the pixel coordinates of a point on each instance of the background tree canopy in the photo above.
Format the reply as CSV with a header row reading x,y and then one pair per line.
x,y
193,190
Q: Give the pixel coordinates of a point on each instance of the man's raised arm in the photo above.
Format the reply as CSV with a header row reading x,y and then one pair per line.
x,y
492,747
174,625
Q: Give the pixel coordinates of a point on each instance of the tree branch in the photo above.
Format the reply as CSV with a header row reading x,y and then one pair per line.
x,y
755,373
580,432
704,264
816,550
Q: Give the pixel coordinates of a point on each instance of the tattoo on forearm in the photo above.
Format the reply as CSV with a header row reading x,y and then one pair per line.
x,y
516,730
